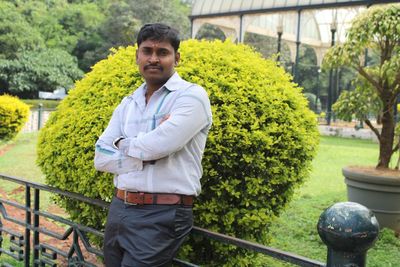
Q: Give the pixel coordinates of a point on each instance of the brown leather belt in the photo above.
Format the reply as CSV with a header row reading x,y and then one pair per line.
x,y
140,198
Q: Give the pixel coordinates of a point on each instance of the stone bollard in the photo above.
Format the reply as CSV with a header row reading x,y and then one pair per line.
x,y
349,230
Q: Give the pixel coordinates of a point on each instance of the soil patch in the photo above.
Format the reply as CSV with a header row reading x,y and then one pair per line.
x,y
377,172
6,148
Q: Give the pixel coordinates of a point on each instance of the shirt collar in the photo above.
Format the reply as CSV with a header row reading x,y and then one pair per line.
x,y
174,83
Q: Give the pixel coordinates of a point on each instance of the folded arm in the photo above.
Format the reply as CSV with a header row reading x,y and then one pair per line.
x,y
107,157
190,114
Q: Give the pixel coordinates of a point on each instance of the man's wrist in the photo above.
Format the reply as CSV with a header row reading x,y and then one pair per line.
x,y
116,141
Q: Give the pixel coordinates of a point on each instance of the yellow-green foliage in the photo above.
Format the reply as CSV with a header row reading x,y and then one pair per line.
x,y
13,115
259,148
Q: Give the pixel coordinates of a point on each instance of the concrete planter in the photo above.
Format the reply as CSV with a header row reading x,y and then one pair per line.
x,y
377,191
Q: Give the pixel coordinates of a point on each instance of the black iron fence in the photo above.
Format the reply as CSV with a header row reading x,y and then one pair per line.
x,y
25,247
347,241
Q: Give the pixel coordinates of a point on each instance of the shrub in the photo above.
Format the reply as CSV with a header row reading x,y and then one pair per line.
x,y
13,115
259,148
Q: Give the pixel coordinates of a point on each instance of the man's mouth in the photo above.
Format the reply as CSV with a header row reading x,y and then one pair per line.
x,y
152,67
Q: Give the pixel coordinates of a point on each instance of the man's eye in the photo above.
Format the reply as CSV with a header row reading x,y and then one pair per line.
x,y
164,53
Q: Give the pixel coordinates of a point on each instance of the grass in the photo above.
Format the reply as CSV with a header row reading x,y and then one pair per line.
x,y
19,161
295,230
12,262
47,104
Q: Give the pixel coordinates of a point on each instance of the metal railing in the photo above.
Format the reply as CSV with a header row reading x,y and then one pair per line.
x,y
41,253
26,247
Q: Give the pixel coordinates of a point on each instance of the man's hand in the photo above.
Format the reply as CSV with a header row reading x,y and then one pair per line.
x,y
166,117
123,144
151,162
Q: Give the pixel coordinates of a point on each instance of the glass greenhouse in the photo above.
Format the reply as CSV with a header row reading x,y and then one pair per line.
x,y
293,27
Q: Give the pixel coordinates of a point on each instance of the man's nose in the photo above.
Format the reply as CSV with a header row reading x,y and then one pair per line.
x,y
154,58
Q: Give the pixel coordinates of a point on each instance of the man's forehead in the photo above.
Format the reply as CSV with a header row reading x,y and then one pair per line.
x,y
155,44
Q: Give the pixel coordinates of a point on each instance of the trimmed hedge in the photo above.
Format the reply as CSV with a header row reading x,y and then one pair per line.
x,y
259,148
13,115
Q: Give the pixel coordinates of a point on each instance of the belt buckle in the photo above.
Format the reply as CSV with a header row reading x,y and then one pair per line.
x,y
126,196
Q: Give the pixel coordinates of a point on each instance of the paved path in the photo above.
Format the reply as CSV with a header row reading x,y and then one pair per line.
x,y
347,132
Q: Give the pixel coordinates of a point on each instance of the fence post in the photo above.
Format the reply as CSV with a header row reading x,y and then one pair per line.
x,y
36,207
40,112
349,230
27,236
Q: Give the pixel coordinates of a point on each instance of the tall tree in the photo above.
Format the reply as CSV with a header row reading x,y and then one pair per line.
x,y
123,21
35,70
86,29
377,29
16,34
210,32
172,12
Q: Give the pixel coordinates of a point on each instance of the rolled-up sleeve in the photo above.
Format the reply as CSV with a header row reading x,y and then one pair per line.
x,y
190,115
109,159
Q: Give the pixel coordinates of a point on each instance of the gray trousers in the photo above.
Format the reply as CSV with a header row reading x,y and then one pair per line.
x,y
144,235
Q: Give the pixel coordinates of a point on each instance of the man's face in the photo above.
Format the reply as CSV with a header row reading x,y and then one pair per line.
x,y
156,61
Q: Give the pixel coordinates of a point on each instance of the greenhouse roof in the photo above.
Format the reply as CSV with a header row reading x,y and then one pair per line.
x,y
308,22
207,8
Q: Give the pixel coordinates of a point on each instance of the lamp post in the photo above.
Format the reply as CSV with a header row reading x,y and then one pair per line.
x,y
279,31
317,93
296,64
329,113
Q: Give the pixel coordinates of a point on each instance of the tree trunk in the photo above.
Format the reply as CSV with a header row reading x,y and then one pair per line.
x,y
387,136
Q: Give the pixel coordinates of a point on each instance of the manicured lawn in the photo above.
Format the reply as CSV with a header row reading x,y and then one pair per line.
x,y
295,231
20,159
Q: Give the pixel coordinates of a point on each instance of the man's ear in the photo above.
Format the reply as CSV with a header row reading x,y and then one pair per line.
x,y
177,58
137,51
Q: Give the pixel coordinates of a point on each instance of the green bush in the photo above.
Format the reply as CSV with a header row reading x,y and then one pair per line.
x,y
13,115
259,148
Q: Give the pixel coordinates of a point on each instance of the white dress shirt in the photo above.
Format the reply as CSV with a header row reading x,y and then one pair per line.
x,y
176,144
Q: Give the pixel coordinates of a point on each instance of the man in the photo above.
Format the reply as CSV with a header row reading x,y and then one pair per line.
x,y
154,145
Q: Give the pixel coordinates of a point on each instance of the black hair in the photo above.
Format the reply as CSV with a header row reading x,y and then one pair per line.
x,y
159,32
